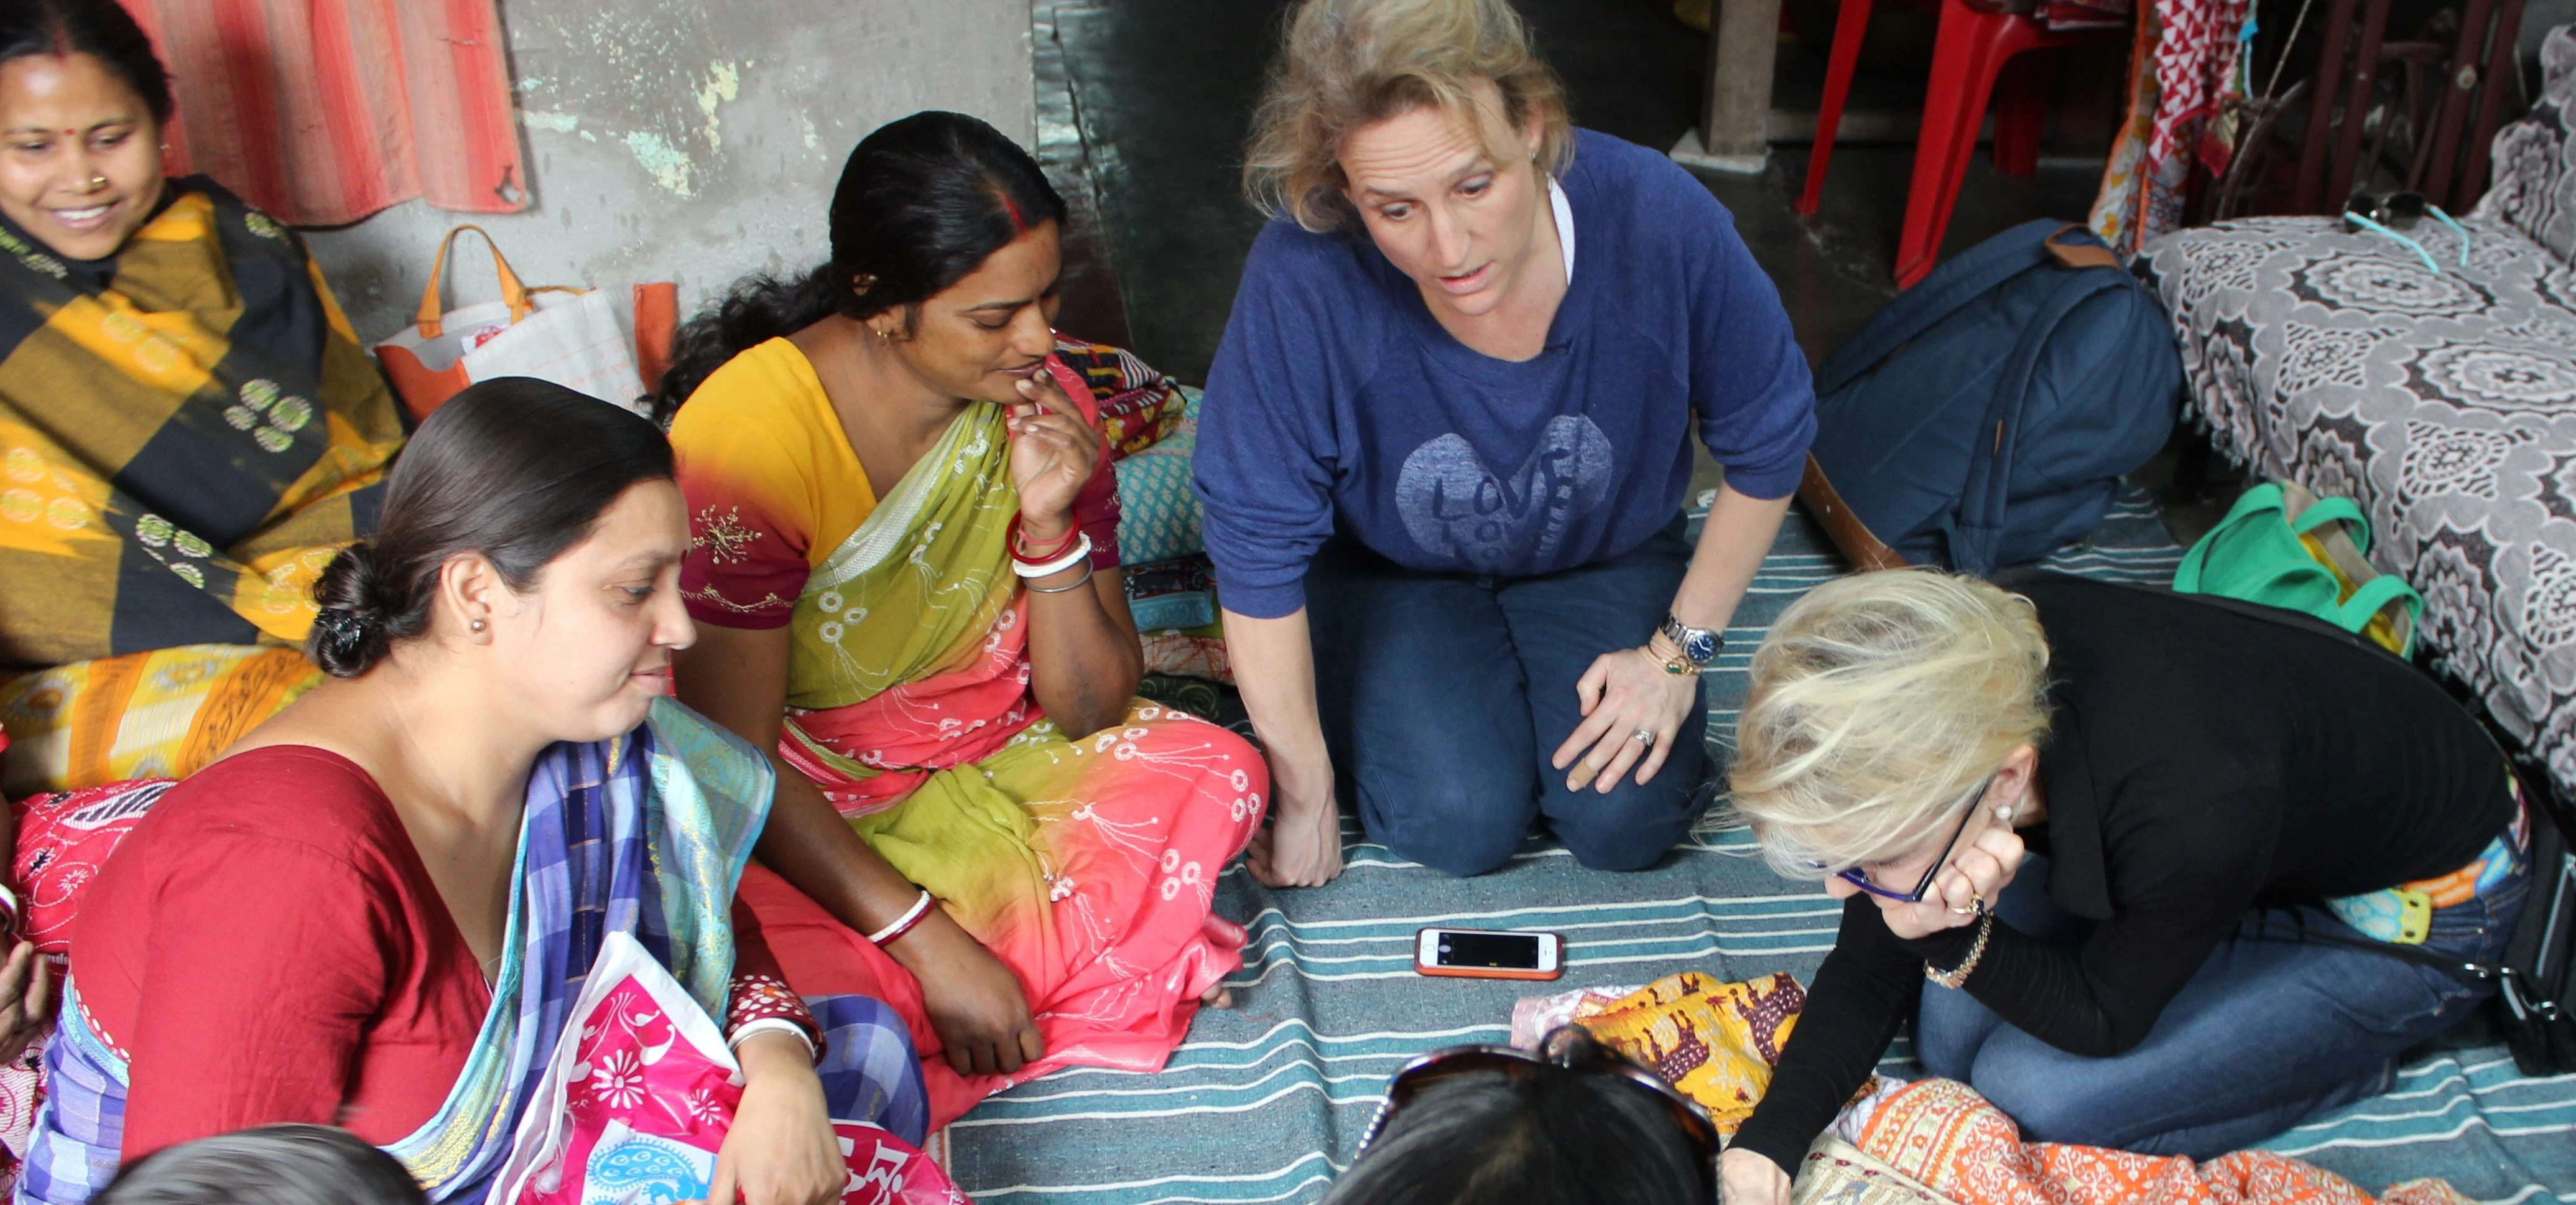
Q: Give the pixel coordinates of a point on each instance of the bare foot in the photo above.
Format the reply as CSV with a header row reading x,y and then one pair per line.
x,y
1217,996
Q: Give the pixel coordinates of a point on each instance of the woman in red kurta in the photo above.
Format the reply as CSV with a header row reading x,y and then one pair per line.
x,y
380,908
270,948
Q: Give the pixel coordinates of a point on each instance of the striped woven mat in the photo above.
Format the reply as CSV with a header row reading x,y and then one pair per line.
x,y
1266,1102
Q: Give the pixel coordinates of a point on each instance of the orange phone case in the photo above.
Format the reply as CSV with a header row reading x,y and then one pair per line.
x,y
1421,967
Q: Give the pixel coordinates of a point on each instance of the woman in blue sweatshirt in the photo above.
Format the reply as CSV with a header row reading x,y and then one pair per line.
x,y
1445,446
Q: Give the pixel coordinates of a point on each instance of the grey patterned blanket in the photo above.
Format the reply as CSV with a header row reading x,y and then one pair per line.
x,y
2441,397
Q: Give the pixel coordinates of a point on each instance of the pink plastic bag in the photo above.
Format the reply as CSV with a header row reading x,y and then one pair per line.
x,y
639,1095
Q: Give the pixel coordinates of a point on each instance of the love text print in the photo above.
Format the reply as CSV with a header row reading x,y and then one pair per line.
x,y
1455,506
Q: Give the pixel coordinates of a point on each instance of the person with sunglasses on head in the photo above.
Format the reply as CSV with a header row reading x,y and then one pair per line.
x,y
1572,1122
2125,857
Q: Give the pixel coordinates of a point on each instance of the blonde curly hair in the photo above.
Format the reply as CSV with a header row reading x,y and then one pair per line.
x,y
1879,701
1344,64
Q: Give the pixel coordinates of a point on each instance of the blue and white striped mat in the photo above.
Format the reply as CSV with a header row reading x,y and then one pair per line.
x,y
1265,1103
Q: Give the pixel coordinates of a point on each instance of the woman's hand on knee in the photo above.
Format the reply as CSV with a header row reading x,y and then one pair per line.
x,y
974,1000
1633,710
1745,1178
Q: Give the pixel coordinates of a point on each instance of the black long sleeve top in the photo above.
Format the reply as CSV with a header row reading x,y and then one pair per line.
x,y
2199,763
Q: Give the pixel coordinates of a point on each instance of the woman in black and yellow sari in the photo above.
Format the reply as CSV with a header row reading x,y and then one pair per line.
x,y
189,428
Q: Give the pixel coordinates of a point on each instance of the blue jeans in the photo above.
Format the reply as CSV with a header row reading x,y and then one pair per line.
x,y
2269,1032
1443,695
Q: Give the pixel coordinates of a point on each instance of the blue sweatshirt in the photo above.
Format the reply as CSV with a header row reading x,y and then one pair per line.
x,y
1336,397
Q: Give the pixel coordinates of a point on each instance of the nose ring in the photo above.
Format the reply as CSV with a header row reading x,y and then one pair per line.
x,y
97,182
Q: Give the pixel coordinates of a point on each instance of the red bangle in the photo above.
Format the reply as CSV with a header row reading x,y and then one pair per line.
x,y
901,929
1022,553
921,907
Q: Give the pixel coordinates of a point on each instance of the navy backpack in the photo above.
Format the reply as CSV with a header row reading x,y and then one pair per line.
x,y
1984,417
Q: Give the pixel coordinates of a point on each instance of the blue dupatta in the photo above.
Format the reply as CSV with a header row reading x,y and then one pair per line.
x,y
646,834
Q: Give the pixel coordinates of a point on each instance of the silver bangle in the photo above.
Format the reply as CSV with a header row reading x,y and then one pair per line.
x,y
1076,584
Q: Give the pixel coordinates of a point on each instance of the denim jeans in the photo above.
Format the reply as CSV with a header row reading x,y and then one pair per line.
x,y
1443,695
2269,1033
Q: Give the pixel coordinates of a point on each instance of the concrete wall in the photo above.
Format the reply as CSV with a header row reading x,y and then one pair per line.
x,y
693,140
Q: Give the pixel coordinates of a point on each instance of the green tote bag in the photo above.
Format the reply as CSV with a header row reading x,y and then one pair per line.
x,y
2285,547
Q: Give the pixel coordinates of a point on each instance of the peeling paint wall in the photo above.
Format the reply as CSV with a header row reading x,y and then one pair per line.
x,y
692,140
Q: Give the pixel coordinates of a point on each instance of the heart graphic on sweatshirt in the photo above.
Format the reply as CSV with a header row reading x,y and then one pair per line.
x,y
1455,506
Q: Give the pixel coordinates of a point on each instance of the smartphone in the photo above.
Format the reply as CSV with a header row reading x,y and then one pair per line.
x,y
1488,954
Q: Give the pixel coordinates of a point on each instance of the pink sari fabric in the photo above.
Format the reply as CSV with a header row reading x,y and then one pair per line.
x,y
1087,866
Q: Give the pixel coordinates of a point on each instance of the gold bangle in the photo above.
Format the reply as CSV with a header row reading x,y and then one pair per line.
x,y
1976,950
1674,662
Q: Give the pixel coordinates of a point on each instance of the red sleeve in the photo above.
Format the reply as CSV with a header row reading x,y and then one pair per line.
x,y
745,569
264,961
749,506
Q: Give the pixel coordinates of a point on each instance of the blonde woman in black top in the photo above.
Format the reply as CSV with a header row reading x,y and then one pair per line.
x,y
2076,829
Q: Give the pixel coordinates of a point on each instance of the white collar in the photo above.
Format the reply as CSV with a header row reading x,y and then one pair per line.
x,y
1564,225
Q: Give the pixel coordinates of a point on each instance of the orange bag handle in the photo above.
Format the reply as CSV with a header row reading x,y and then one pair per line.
x,y
514,294
2078,256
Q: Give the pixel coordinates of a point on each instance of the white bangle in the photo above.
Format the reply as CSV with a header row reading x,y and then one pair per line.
x,y
903,922
751,1029
1081,549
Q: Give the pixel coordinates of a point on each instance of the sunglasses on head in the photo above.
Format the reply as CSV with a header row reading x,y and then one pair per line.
x,y
1860,878
1569,1050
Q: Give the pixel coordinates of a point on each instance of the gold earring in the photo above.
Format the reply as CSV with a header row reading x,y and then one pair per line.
x,y
883,335
478,625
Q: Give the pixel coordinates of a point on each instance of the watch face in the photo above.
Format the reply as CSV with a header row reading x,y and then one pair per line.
x,y
1699,644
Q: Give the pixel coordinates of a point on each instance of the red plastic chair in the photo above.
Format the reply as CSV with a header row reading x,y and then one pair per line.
x,y
1971,64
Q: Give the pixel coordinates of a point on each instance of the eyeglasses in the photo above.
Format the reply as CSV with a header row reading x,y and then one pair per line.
x,y
1569,1048
1860,878
2398,211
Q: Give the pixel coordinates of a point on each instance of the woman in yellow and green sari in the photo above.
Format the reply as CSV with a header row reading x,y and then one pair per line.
x,y
905,574
189,428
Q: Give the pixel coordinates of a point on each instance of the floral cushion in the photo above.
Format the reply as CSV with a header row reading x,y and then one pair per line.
x,y
2442,401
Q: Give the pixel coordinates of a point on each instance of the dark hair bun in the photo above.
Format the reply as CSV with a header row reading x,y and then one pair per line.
x,y
349,634
514,470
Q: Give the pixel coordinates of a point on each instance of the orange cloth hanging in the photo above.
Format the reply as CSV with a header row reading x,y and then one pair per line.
x,y
321,112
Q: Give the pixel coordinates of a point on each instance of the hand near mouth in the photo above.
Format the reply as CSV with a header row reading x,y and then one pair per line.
x,y
1054,451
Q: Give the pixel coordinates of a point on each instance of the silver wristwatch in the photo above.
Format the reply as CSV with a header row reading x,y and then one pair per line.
x,y
1698,646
